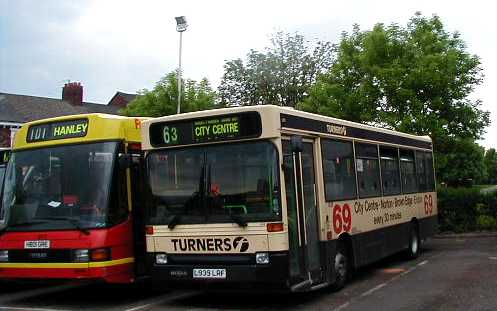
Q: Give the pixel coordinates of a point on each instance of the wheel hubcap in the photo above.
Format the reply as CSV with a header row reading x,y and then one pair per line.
x,y
341,265
414,244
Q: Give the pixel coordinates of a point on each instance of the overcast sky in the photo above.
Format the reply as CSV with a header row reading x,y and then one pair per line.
x,y
128,45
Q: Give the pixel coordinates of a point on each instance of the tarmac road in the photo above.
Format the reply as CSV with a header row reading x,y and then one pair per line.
x,y
452,273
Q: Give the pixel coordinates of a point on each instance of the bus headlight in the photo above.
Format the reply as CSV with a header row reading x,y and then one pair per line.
x,y
4,256
81,255
161,259
262,258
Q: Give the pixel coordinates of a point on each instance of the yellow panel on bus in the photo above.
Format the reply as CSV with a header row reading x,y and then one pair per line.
x,y
77,129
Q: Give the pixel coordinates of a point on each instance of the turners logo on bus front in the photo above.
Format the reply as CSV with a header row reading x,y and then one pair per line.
x,y
221,245
336,129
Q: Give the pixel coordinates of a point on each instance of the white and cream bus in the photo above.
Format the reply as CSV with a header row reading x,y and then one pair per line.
x,y
270,197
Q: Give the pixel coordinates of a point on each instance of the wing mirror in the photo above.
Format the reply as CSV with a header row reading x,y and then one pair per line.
x,y
124,161
296,143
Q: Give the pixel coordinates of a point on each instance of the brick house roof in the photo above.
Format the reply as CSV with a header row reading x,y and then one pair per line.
x,y
23,108
121,99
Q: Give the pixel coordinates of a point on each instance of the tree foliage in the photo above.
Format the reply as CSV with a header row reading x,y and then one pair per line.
x,y
281,75
414,79
462,164
490,161
163,99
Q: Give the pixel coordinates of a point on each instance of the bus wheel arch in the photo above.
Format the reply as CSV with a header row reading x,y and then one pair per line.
x,y
342,261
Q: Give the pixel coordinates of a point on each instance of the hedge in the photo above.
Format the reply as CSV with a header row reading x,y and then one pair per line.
x,y
466,209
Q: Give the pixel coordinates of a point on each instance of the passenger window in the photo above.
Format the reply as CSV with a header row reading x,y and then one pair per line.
x,y
421,171
339,172
430,175
390,172
408,171
368,172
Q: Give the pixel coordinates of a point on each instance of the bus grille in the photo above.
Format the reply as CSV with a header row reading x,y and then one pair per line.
x,y
41,255
212,259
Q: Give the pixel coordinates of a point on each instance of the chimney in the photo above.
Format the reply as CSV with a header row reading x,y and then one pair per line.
x,y
73,93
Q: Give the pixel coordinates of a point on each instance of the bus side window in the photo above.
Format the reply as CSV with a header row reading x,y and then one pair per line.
x,y
368,171
430,174
421,171
408,171
339,170
390,172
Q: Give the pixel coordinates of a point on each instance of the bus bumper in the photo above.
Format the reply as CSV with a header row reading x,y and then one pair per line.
x,y
122,273
273,275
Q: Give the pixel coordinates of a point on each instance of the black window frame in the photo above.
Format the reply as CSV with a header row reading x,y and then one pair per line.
x,y
323,157
416,186
368,155
430,171
395,159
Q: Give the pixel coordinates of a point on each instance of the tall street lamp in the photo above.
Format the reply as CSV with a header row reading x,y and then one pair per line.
x,y
180,27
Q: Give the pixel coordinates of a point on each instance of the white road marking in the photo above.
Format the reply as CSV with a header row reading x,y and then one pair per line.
x,y
158,300
29,309
8,297
345,305
377,287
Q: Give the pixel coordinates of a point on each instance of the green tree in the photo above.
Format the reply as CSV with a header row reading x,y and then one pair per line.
x,y
414,79
463,164
491,165
163,99
281,75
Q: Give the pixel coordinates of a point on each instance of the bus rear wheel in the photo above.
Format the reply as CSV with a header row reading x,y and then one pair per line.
x,y
413,248
342,267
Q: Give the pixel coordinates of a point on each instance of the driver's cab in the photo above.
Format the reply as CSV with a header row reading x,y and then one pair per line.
x,y
4,156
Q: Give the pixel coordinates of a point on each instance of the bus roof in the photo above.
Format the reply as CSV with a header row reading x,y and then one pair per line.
x,y
77,129
285,118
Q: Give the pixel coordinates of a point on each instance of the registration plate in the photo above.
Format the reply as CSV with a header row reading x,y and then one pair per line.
x,y
37,244
209,273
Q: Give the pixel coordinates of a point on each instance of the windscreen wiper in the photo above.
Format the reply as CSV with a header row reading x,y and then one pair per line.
x,y
72,221
238,220
174,220
20,224
25,223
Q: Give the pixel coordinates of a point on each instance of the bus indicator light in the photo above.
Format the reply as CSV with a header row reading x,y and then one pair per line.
x,y
135,146
100,254
149,230
275,227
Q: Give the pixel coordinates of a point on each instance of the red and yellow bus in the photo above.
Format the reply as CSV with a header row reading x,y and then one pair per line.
x,y
270,197
4,157
71,201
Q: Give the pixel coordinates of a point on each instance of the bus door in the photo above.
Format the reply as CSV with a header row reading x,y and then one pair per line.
x,y
304,250
138,212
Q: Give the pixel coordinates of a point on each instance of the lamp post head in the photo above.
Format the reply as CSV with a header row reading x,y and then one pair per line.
x,y
181,24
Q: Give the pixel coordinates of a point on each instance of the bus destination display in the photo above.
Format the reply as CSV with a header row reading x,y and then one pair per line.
x,y
216,129
57,130
226,127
